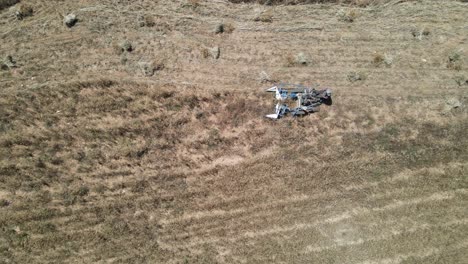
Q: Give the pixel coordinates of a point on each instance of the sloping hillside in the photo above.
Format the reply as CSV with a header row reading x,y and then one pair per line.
x,y
137,135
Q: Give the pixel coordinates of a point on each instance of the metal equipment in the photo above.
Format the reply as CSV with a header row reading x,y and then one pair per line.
x,y
308,100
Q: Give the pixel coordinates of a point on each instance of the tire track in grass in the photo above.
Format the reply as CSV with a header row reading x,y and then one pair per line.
x,y
387,236
304,226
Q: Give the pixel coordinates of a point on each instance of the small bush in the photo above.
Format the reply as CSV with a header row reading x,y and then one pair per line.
x,y
214,138
43,197
126,46
229,28
356,76
149,21
100,189
348,16
454,56
419,34
455,61
192,4
24,11
461,80
149,68
378,59
219,29
224,28
47,228
299,59
4,203
266,16
289,60
82,191
140,186
382,59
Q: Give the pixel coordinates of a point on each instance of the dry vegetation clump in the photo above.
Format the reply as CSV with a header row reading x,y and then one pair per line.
x,y
264,77
356,76
224,28
156,24
7,3
461,80
455,60
126,46
382,59
378,58
149,68
265,16
300,59
192,4
348,15
99,163
147,21
24,11
289,60
205,53
229,28
360,3
8,63
420,33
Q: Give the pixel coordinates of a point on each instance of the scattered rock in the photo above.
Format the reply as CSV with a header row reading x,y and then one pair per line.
x,y
356,76
215,52
126,46
219,29
70,20
302,59
24,11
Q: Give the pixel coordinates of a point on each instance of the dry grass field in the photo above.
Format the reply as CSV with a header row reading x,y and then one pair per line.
x,y
138,136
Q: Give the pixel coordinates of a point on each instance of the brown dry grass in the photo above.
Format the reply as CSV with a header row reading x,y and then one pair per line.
x,y
99,163
360,3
